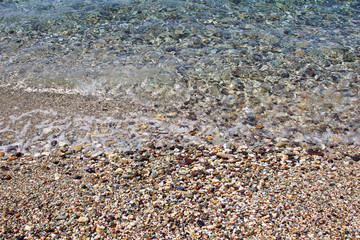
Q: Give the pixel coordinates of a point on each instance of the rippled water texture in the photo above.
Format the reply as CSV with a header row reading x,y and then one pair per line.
x,y
298,60
103,45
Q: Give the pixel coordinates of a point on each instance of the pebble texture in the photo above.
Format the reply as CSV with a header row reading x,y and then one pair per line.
x,y
180,120
183,192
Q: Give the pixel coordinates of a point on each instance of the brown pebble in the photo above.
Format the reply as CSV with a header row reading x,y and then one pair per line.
x,y
210,138
222,155
192,132
6,177
44,168
78,147
315,152
12,158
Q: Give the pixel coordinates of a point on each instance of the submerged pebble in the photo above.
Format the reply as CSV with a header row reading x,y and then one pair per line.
x,y
178,120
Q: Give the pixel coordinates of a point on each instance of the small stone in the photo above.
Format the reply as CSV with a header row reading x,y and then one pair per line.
x,y
171,49
160,117
12,158
222,155
45,154
11,149
60,217
310,71
90,170
128,176
200,223
57,176
210,138
154,174
47,130
77,177
97,154
172,114
356,158
83,219
44,168
6,177
315,152
112,156
28,228
4,168
257,57
2,154
181,188
109,143
280,144
78,147
259,126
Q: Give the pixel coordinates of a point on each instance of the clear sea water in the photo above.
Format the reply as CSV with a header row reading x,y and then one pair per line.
x,y
239,52
92,46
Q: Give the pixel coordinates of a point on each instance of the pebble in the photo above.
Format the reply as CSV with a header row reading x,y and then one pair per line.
x,y
222,79
200,223
219,186
60,217
160,117
47,130
78,147
82,219
210,138
154,174
6,177
28,228
222,155
109,143
181,188
128,176
12,158
97,154
280,144
90,170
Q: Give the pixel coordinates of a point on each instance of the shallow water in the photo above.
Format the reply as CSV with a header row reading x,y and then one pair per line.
x,y
280,64
90,46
